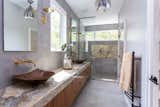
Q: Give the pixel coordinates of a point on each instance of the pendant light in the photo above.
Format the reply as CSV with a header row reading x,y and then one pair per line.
x,y
29,12
103,5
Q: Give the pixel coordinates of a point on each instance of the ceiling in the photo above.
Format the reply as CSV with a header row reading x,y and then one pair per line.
x,y
87,8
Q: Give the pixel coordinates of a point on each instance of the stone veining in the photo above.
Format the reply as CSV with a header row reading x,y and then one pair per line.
x,y
25,95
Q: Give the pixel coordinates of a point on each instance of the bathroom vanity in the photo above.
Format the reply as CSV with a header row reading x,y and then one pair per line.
x,y
67,96
60,90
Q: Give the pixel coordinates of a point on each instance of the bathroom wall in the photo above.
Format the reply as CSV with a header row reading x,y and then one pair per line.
x,y
43,57
133,12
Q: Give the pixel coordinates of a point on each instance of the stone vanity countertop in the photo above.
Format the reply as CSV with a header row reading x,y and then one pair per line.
x,y
23,95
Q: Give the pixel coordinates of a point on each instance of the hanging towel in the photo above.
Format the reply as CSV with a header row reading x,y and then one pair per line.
x,y
126,71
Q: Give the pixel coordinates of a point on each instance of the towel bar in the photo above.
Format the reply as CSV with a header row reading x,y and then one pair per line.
x,y
131,95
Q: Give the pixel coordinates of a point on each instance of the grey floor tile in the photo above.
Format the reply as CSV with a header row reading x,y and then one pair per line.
x,y
101,94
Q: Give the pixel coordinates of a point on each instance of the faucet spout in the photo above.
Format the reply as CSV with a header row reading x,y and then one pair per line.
x,y
23,61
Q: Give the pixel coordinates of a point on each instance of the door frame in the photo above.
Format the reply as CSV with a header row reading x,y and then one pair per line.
x,y
148,99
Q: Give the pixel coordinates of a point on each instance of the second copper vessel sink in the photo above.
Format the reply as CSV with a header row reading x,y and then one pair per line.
x,y
36,75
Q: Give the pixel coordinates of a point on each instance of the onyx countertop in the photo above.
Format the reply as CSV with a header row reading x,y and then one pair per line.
x,y
24,95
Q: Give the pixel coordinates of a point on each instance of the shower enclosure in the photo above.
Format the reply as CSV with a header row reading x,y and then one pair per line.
x,y
104,57
105,51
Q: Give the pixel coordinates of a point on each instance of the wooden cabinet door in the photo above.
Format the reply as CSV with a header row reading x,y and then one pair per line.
x,y
83,78
59,100
88,71
76,85
69,95
50,104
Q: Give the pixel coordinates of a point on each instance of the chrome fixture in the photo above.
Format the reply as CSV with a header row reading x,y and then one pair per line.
x,y
103,5
29,12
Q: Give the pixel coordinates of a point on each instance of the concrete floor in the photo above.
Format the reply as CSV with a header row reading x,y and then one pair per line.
x,y
101,94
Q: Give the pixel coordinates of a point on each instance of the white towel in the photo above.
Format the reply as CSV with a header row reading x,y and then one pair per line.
x,y
126,71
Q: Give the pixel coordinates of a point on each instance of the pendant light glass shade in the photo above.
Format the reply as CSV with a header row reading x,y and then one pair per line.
x,y
103,5
29,12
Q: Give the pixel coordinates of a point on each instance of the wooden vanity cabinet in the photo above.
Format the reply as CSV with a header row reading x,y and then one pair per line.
x,y
58,101
66,97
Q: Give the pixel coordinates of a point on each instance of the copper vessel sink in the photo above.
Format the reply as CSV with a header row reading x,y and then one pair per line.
x,y
35,76
78,61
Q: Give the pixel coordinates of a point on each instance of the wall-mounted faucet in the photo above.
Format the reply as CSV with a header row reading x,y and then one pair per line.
x,y
23,61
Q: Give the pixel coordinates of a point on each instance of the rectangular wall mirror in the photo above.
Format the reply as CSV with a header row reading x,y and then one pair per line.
x,y
74,30
20,25
74,38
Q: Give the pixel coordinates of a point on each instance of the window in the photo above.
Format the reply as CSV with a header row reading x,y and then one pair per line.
x,y
108,35
102,35
58,29
90,36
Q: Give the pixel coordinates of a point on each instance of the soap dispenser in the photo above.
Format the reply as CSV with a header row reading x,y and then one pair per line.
x,y
67,63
